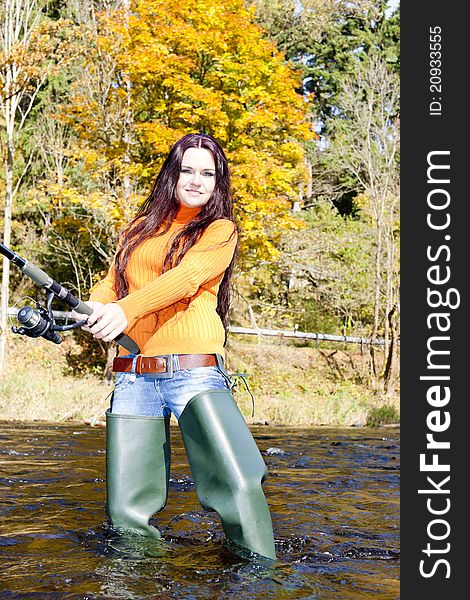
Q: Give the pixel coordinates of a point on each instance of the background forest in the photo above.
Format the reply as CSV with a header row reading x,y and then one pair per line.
x,y
304,97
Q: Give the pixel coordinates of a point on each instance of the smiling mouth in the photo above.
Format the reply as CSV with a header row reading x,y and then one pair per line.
x,y
193,191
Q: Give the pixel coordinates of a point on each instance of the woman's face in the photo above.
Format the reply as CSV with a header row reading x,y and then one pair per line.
x,y
197,178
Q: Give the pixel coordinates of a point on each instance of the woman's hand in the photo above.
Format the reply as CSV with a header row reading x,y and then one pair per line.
x,y
106,322
82,316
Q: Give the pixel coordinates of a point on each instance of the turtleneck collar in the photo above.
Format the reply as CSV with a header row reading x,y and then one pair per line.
x,y
186,213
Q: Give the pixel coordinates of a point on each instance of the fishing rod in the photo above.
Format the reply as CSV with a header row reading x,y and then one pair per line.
x,y
40,321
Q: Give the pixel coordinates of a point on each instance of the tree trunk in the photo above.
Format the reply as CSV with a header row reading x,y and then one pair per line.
x,y
5,290
110,355
17,21
377,286
390,368
128,122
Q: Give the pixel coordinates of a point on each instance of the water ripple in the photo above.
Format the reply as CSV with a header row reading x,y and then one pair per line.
x,y
333,494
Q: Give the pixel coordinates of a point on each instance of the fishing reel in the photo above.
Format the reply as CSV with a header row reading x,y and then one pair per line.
x,y
40,322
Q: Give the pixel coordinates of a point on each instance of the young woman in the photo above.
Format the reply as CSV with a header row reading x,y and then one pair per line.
x,y
168,289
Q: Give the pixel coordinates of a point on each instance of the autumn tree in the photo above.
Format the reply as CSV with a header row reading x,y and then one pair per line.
x,y
335,47
365,145
129,91
201,69
31,48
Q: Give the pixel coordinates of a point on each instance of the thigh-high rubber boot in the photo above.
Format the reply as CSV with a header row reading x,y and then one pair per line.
x,y
228,469
137,470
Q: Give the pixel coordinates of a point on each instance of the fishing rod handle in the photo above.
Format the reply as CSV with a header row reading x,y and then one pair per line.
x,y
36,274
123,340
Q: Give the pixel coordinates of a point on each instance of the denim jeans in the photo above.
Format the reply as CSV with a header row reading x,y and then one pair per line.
x,y
151,395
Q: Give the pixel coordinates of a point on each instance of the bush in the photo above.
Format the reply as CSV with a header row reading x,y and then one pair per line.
x,y
382,415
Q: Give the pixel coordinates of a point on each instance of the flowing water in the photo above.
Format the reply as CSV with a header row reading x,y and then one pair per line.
x,y
333,493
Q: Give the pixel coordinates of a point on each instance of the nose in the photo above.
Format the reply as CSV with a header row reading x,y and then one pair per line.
x,y
196,178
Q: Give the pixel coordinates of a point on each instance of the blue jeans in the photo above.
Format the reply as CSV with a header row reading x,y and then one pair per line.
x,y
151,395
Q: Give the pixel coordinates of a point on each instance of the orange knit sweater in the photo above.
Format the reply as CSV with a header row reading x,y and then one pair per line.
x,y
174,312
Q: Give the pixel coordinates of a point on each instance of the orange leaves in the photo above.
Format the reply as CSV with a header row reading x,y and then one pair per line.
x,y
166,68
32,57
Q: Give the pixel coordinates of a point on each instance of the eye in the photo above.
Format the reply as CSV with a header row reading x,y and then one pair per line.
x,y
208,174
185,170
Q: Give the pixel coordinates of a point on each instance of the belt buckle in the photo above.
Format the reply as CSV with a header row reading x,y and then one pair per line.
x,y
168,374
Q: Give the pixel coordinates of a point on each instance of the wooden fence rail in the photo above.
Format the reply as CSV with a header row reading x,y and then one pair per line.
x,y
302,335
299,335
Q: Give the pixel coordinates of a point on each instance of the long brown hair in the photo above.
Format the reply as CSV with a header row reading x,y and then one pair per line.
x,y
158,211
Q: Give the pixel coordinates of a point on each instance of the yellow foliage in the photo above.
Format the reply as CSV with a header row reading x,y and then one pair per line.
x,y
174,68
28,59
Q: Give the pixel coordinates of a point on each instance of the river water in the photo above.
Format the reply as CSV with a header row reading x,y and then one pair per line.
x,y
333,493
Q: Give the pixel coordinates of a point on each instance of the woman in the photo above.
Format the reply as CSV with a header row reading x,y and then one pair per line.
x,y
168,289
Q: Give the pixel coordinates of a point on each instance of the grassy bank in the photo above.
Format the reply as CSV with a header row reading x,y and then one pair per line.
x,y
291,385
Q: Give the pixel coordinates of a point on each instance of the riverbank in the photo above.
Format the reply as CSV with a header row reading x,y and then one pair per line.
x,y
292,385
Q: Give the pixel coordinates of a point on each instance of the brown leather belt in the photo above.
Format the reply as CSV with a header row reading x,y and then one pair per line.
x,y
163,364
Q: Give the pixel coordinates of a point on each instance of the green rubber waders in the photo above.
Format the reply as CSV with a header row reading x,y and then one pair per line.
x,y
228,469
137,470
